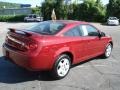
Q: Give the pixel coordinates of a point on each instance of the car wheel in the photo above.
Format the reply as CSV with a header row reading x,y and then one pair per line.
x,y
108,51
61,66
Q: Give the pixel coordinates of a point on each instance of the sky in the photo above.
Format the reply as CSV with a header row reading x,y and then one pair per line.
x,y
37,2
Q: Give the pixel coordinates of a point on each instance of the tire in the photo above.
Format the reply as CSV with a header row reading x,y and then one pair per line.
x,y
108,51
61,67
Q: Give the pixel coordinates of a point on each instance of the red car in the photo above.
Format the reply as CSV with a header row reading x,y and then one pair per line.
x,y
55,45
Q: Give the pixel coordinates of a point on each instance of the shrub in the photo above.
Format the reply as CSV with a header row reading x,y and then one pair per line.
x,y
89,10
8,18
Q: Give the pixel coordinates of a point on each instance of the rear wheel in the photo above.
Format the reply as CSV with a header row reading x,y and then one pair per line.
x,y
108,51
61,67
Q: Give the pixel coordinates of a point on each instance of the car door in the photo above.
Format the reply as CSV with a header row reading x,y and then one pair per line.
x,y
34,17
74,37
94,45
30,18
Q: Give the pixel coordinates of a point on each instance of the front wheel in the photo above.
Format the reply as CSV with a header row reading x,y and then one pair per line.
x,y
108,51
61,67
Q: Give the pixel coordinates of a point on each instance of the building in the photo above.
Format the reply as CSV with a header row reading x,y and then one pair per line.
x,y
23,10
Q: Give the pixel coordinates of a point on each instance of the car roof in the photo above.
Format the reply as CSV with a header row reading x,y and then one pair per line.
x,y
68,21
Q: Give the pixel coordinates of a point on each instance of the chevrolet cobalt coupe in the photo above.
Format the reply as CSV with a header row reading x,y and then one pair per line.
x,y
55,45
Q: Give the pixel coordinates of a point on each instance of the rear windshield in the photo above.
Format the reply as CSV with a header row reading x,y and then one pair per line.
x,y
30,16
46,28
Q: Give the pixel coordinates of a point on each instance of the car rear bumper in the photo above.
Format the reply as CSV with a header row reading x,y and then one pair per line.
x,y
25,60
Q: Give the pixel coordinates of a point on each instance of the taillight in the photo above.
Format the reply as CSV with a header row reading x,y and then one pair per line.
x,y
31,46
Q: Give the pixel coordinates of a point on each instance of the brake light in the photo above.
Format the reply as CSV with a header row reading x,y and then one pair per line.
x,y
31,46
20,41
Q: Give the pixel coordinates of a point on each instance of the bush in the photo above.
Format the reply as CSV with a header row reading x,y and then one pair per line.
x,y
89,10
8,18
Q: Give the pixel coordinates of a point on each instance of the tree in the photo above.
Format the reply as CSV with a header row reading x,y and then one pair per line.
x,y
89,10
46,9
36,10
49,5
59,9
97,1
113,8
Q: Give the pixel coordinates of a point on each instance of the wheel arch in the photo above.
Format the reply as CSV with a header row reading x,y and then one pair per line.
x,y
69,54
111,43
64,50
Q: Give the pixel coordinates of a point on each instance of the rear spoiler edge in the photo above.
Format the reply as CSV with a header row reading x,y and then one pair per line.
x,y
11,29
14,30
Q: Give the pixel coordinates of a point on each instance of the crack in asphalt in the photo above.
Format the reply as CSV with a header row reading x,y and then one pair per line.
x,y
39,85
92,66
73,86
113,57
110,85
118,75
102,75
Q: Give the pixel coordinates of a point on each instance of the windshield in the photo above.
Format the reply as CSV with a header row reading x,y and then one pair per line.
x,y
112,18
47,28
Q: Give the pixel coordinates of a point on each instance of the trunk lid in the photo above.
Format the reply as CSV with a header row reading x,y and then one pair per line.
x,y
21,40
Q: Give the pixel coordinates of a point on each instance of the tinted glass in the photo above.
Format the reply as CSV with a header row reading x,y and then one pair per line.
x,y
112,18
34,16
69,33
47,28
74,32
92,31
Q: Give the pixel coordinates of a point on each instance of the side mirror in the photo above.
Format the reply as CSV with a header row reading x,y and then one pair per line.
x,y
102,34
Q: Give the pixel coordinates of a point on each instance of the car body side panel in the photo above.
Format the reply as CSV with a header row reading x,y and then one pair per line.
x,y
51,50
59,45
51,46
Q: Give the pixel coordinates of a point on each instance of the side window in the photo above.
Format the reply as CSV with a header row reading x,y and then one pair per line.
x,y
34,16
92,31
69,33
30,16
74,32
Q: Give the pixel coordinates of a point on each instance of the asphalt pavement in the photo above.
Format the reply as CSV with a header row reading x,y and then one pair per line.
x,y
95,74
